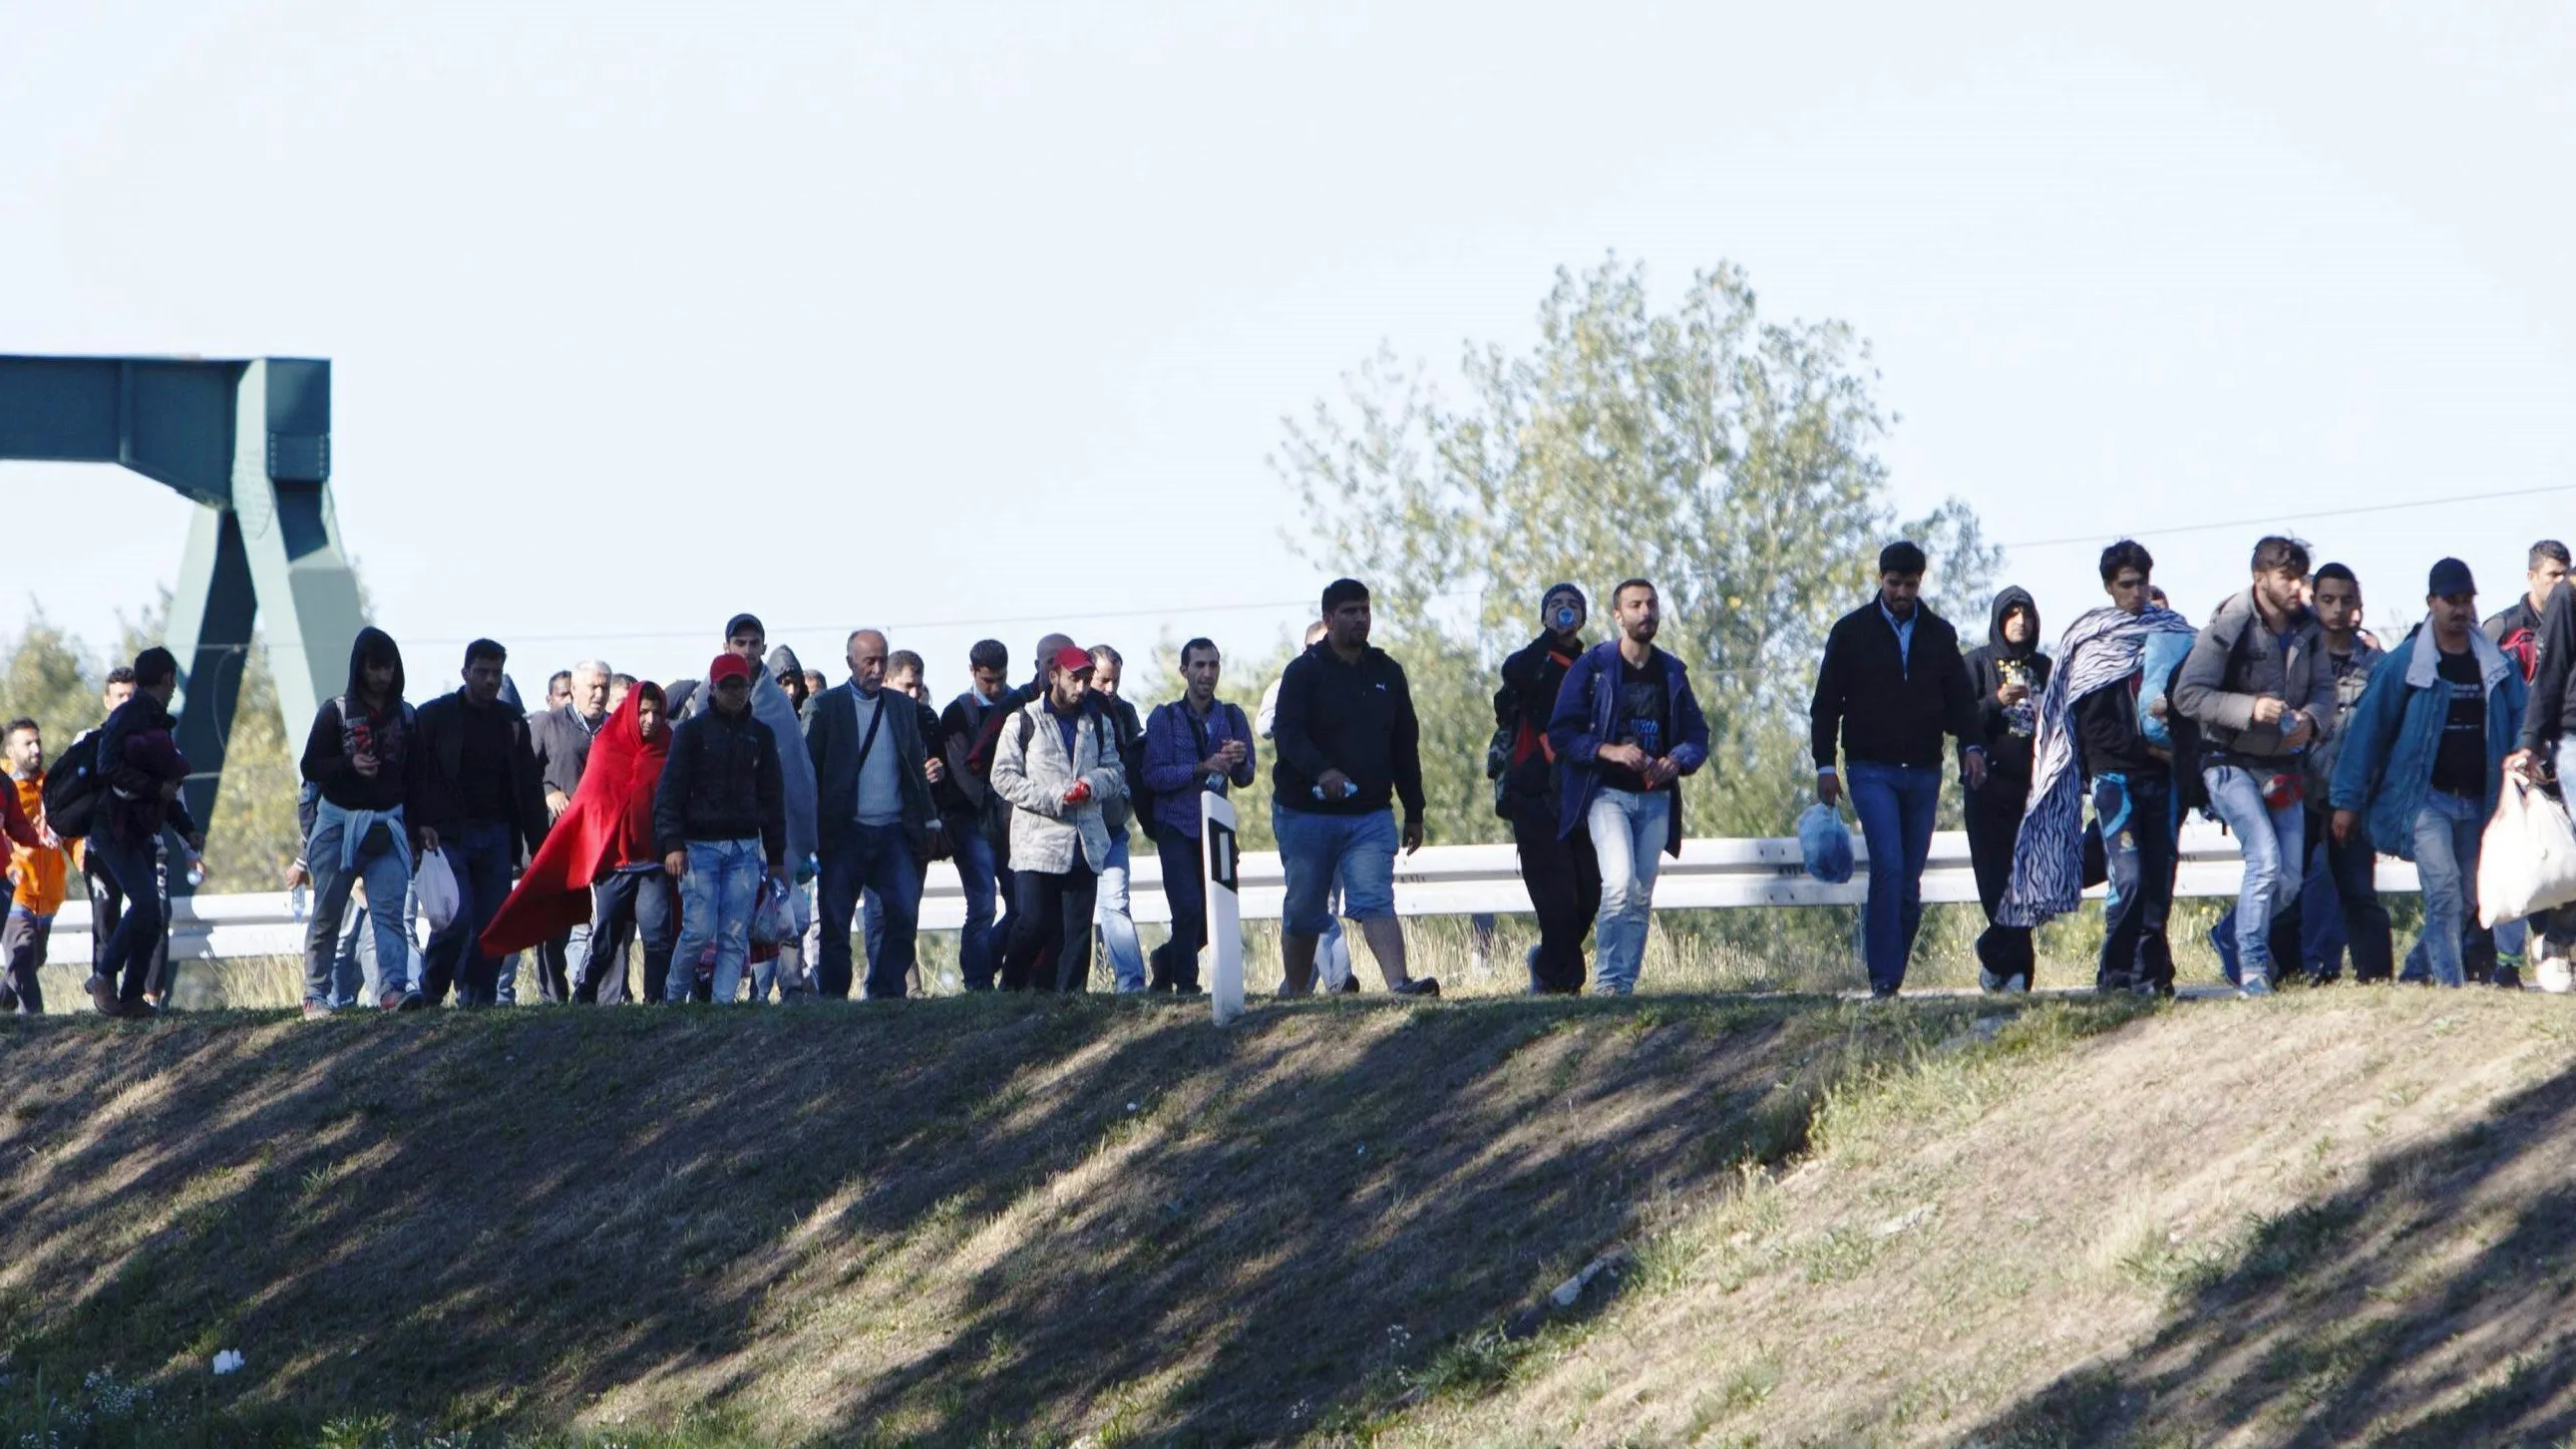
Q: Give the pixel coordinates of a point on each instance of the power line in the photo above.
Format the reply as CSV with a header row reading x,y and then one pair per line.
x,y
2276,517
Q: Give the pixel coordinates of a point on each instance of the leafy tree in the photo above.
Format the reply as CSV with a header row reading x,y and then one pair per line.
x,y
1727,457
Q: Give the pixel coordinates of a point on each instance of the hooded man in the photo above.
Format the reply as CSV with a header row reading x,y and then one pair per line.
x,y
598,864
140,763
2425,759
361,760
1558,867
2008,675
789,671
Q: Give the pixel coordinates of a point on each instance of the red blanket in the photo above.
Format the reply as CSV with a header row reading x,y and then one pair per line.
x,y
609,824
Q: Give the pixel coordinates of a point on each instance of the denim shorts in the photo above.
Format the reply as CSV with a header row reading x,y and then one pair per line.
x,y
1316,849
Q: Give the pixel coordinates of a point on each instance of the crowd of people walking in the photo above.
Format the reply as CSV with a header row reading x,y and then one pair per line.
x,y
762,834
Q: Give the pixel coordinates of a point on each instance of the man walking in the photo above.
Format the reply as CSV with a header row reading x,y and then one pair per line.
x,y
362,761
720,825
140,765
38,871
2347,857
1348,747
964,796
480,804
1625,731
2259,687
875,819
2517,630
1193,745
2425,759
1056,762
1557,866
561,737
2008,675
2099,737
1891,685
1117,926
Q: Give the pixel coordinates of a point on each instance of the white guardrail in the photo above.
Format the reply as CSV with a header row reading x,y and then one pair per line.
x,y
1447,880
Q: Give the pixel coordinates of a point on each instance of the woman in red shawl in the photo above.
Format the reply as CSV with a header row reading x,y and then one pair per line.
x,y
597,863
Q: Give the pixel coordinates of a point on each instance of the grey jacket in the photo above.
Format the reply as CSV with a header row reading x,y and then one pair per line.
x,y
2237,660
1031,771
2354,678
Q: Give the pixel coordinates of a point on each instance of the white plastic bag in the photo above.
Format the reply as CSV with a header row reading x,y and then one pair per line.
x,y
435,886
2527,858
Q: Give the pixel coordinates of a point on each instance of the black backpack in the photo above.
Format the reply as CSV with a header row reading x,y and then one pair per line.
x,y
73,789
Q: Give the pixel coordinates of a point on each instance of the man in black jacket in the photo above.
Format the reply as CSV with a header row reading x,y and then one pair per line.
x,y
2007,676
982,869
1891,684
2133,785
141,767
1563,876
873,816
1348,747
480,803
720,823
2517,630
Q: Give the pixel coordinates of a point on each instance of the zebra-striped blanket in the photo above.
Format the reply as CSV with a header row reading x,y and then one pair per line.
x,y
2099,650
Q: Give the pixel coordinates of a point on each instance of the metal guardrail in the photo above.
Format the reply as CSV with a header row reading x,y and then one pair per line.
x,y
1446,880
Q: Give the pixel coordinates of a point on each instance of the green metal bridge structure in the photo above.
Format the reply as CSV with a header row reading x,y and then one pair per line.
x,y
248,440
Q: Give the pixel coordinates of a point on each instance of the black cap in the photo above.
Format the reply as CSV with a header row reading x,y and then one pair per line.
x,y
2450,576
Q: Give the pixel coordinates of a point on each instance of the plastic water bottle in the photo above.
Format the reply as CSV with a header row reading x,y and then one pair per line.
x,y
295,901
196,871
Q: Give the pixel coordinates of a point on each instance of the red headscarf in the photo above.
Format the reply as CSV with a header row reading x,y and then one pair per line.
x,y
609,824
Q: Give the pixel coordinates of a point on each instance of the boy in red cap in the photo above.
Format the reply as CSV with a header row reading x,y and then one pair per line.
x,y
719,821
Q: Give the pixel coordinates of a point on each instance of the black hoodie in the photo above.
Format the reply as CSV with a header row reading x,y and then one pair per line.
x,y
330,747
2006,732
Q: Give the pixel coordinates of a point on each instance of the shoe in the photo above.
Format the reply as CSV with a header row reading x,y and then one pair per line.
x,y
2556,975
102,996
1990,983
413,1001
1420,986
316,1010
2017,984
1530,959
2254,986
390,1001
2507,978
1882,993
1350,985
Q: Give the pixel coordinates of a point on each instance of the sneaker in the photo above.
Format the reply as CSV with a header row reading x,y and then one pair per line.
x,y
413,1001
2556,975
2018,984
2254,986
1350,985
390,1001
102,996
1990,983
1882,993
316,1010
1420,986
2507,978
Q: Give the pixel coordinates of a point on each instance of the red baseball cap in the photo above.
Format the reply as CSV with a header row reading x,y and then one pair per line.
x,y
1076,659
728,666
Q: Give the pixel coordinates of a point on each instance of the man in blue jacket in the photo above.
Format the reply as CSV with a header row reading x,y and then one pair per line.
x,y
1625,730
2425,757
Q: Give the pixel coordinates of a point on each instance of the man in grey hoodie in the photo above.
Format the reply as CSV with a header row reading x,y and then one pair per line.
x,y
2258,683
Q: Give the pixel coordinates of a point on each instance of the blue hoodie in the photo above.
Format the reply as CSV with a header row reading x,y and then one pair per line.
x,y
1583,722
2385,763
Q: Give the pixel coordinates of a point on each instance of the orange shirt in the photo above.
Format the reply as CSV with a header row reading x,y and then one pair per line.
x,y
37,871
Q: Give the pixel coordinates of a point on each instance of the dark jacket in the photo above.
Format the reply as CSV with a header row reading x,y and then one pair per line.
x,y
1532,677
1356,718
136,757
963,791
332,743
1585,719
2551,706
2008,733
439,801
2237,660
832,737
2500,626
721,782
2107,733
1177,742
1887,707
562,745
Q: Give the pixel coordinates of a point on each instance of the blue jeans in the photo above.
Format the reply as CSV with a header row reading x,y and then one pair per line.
x,y
480,857
2274,840
387,874
716,900
1897,805
2448,829
874,858
1316,851
1628,831
1117,927
985,881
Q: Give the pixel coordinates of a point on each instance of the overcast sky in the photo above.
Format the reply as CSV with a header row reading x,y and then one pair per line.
x,y
976,319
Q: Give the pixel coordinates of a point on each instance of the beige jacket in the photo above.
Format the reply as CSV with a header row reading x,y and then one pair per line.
x,y
1030,770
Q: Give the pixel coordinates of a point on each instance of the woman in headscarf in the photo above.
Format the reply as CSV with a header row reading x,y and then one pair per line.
x,y
598,865
2008,676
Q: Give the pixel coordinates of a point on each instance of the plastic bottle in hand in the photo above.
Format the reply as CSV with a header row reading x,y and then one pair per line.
x,y
196,870
295,900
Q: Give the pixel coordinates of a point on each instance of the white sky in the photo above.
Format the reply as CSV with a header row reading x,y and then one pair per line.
x,y
642,314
